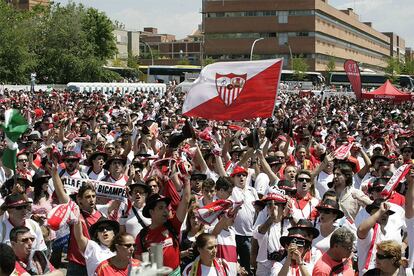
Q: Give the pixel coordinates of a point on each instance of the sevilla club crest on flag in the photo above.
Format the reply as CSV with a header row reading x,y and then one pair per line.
x,y
230,86
234,90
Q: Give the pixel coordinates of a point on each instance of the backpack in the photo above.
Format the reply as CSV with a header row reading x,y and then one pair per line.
x,y
144,232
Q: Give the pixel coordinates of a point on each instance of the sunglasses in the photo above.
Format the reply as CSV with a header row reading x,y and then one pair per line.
x,y
383,257
23,207
326,212
105,227
71,160
240,175
25,240
22,160
377,189
128,245
407,151
303,179
110,148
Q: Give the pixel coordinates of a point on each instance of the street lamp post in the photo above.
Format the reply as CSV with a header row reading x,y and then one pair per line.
x,y
149,47
251,49
291,56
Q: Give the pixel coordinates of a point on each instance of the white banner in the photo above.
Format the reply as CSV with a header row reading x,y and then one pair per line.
x,y
103,189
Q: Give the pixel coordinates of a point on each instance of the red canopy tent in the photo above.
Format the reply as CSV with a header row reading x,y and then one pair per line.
x,y
388,92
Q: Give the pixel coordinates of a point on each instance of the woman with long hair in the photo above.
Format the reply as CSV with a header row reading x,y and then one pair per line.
x,y
192,230
350,200
206,263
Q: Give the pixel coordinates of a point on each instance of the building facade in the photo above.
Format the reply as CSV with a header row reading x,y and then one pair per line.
x,y
167,50
127,43
311,29
27,4
397,46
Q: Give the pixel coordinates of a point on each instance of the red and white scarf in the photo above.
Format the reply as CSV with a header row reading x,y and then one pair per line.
x,y
196,268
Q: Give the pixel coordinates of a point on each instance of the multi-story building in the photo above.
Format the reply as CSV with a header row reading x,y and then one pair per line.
x,y
397,46
312,29
127,43
167,50
409,54
27,4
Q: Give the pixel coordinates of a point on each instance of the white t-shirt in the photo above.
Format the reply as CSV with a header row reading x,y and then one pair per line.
x,y
315,256
5,228
95,254
322,243
92,175
268,242
322,181
132,226
363,246
262,183
396,222
410,236
208,270
243,224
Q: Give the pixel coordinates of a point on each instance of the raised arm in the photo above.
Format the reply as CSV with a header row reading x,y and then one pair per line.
x,y
185,199
265,166
362,172
57,183
370,222
81,240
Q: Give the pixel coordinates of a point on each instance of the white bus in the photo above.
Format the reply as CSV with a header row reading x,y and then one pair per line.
x,y
370,79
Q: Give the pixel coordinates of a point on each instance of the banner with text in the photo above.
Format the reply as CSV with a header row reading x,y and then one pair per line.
x,y
103,189
352,71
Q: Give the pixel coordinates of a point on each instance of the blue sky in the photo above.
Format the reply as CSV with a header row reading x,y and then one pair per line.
x,y
181,17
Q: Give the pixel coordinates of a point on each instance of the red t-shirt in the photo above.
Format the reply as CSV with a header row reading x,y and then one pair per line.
x,y
324,265
171,250
74,255
106,269
19,270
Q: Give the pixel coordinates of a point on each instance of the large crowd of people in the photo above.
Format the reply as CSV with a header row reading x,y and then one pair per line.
x,y
267,196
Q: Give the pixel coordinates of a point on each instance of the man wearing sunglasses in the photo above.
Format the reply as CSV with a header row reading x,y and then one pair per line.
x,y
18,211
27,261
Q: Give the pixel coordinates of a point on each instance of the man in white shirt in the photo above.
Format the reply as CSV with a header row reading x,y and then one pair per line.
x,y
243,223
18,209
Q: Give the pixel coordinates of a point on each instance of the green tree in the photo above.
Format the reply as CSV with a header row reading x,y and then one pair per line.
x,y
331,65
299,67
16,61
208,60
408,68
99,30
70,52
393,69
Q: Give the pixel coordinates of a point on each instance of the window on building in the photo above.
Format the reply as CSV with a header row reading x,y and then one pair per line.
x,y
283,17
283,38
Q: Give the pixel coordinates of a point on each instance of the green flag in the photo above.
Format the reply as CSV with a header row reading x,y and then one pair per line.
x,y
14,126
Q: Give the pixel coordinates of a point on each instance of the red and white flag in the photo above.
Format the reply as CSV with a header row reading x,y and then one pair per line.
x,y
396,178
343,151
235,90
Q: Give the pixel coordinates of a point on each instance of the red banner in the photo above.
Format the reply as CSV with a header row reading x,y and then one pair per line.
x,y
395,179
342,152
352,71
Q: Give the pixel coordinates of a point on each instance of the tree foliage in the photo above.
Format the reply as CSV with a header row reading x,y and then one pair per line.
x,y
393,69
299,67
59,43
